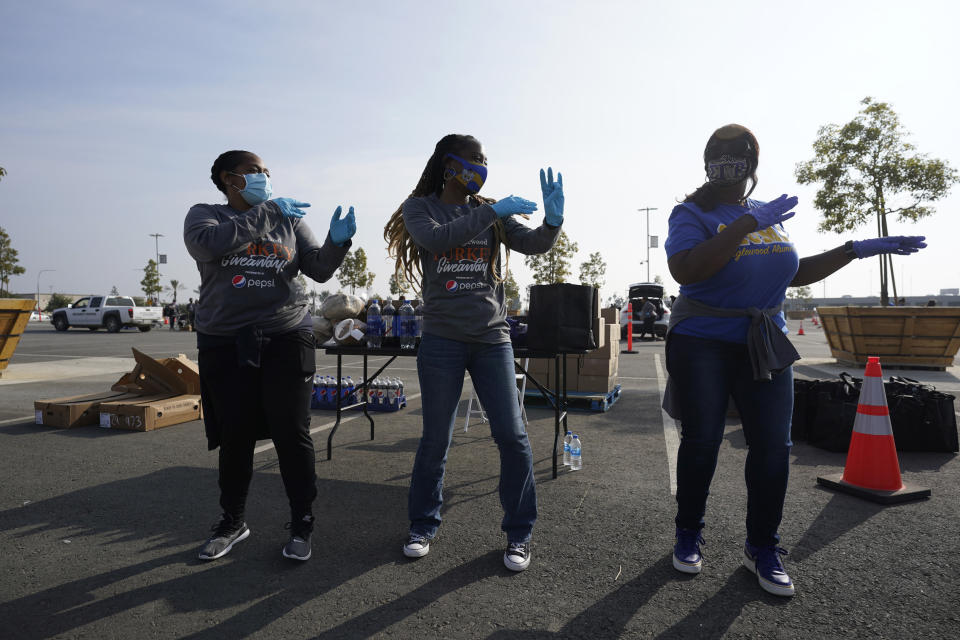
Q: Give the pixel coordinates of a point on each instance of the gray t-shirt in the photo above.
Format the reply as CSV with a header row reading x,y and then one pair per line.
x,y
461,299
248,261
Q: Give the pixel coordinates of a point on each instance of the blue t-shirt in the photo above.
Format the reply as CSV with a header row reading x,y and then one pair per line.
x,y
757,275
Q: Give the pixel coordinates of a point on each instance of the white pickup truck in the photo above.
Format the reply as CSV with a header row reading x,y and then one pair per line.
x,y
110,312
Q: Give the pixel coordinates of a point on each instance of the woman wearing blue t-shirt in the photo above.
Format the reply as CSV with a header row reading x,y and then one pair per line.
x,y
734,261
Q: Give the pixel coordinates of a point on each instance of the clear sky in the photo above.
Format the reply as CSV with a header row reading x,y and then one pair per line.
x,y
111,113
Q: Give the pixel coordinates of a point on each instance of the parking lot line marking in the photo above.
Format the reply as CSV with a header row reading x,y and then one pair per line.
x,y
328,425
671,433
23,419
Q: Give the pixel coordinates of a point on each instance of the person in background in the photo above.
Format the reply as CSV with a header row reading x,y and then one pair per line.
x,y
931,303
450,238
734,261
255,338
648,315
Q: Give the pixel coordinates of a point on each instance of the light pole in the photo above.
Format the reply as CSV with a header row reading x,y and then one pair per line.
x,y
648,210
38,286
156,242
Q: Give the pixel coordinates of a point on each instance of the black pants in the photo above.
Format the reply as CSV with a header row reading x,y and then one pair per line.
x,y
272,401
647,327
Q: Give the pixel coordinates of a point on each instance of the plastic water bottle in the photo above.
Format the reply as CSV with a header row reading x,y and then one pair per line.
x,y
372,392
408,326
374,326
389,316
576,461
567,439
418,313
380,392
348,395
399,388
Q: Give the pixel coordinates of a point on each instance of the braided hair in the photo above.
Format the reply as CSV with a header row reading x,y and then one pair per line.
x,y
731,139
401,246
227,161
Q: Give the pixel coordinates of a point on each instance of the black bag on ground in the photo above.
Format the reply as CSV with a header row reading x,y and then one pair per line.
x,y
832,409
923,418
561,317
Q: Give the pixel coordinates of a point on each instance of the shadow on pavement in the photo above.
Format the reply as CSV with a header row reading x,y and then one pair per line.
x,y
840,515
261,585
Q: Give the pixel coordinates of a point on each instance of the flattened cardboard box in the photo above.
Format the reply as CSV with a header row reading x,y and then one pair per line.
x,y
74,411
611,315
166,377
148,413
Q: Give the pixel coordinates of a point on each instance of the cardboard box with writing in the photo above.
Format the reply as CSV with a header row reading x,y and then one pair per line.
x,y
165,378
150,412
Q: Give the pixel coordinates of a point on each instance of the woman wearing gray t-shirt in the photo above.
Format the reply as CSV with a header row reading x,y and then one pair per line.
x,y
448,238
255,338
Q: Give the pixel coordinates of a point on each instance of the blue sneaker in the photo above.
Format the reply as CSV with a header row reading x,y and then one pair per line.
x,y
766,563
686,552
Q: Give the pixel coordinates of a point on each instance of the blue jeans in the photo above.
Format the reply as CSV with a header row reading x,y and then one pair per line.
x,y
705,373
440,367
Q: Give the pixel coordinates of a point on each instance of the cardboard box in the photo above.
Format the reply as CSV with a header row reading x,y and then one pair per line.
x,y
74,411
611,315
151,380
596,384
600,332
150,412
597,367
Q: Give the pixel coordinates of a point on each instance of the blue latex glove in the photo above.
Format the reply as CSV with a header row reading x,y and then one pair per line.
x,y
552,197
900,245
291,207
774,212
342,229
512,205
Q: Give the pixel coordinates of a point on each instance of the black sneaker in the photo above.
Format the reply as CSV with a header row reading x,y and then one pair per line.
x,y
416,546
766,562
226,533
298,547
517,556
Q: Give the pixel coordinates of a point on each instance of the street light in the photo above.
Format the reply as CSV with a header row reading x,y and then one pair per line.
x,y
38,286
156,241
648,210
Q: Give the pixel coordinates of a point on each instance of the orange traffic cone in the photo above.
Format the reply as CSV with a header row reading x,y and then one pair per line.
x,y
872,471
800,333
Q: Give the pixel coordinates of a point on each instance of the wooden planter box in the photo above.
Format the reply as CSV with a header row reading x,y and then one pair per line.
x,y
901,336
14,315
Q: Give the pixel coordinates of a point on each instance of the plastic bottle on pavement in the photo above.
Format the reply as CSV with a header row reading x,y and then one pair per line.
x,y
576,448
348,389
567,439
408,326
374,326
389,316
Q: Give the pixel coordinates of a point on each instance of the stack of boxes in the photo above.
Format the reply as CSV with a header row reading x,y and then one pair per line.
x,y
594,372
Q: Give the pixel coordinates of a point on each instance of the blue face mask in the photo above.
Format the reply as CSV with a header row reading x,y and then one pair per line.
x,y
258,189
472,176
728,170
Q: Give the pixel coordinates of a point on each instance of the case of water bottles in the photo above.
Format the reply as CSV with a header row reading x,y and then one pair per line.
x,y
383,394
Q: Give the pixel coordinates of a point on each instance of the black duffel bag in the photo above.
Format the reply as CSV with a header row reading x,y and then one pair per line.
x,y
923,418
831,411
561,317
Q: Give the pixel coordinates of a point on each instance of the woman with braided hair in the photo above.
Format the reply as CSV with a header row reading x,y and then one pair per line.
x,y
448,239
734,261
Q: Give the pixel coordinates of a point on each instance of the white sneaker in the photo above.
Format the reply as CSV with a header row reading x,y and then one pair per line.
x,y
517,556
417,546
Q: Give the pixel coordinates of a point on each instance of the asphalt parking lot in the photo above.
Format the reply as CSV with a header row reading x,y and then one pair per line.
x,y
99,528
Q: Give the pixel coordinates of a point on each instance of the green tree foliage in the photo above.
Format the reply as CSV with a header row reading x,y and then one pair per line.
x,y
175,287
799,293
593,271
398,284
150,285
114,291
616,301
868,170
57,301
353,272
553,266
8,262
511,292
3,172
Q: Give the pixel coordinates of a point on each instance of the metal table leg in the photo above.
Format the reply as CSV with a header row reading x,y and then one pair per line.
x,y
337,423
